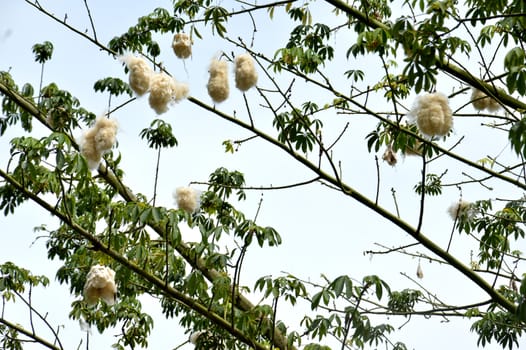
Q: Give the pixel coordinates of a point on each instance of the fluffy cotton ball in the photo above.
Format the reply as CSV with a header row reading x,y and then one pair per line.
x,y
493,105
105,139
195,335
246,75
97,140
106,132
182,45
88,148
217,86
390,156
481,101
187,199
433,115
100,284
140,74
181,91
164,90
459,208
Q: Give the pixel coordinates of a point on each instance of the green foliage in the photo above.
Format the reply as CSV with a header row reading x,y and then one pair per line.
x,y
223,182
306,49
43,52
500,326
515,65
432,187
14,280
136,324
298,129
216,16
370,41
103,222
63,110
11,111
517,137
404,301
115,86
159,135
9,338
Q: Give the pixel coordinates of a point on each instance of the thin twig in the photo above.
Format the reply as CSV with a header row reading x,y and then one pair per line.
x,y
91,20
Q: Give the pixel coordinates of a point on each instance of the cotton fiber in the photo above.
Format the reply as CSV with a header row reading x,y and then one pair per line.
x,y
246,75
100,284
140,74
217,86
182,45
187,199
433,114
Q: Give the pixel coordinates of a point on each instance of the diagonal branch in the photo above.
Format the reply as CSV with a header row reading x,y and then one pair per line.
x,y
154,280
182,248
351,192
442,64
29,334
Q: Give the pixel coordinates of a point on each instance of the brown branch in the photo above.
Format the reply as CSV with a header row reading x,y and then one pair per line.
x,y
180,297
29,334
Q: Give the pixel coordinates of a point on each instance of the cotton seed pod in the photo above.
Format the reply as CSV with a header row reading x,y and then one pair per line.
x,y
140,74
195,335
493,105
105,139
217,86
479,100
180,92
419,272
88,148
187,199
246,75
390,156
106,132
433,114
182,45
100,284
459,208
162,88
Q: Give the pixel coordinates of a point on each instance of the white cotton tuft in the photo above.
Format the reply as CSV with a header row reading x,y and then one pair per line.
x,y
195,335
100,284
246,75
89,150
390,156
433,114
182,45
217,86
140,73
187,199
181,91
98,140
164,90
106,133
460,208
419,272
481,101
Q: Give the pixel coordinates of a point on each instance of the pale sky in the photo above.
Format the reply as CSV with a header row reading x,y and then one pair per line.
x,y
322,231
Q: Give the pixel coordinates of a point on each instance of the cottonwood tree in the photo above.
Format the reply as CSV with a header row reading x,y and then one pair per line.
x,y
462,62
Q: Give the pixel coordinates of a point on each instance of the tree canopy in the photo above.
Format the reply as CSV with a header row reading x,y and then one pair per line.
x,y
266,175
